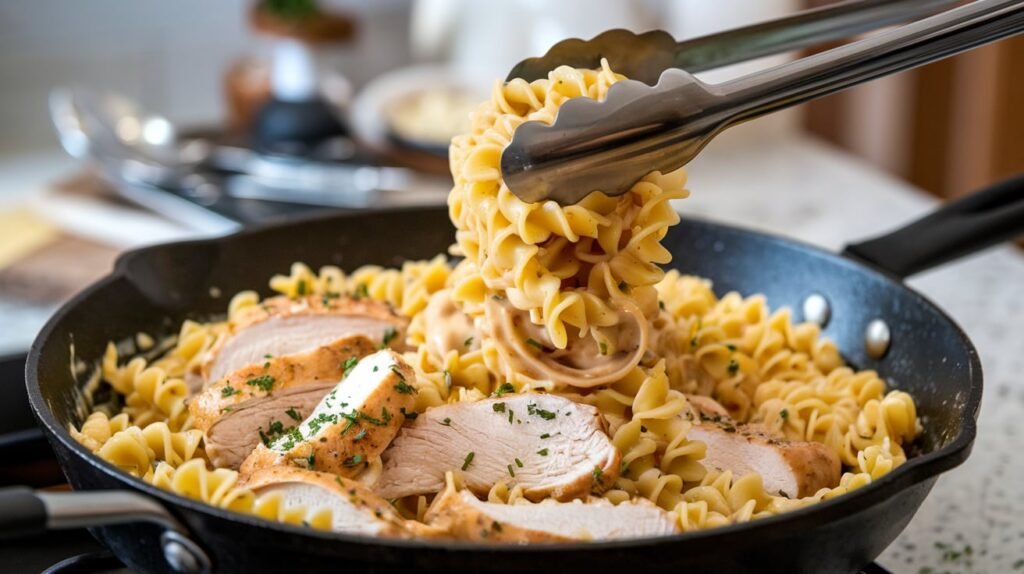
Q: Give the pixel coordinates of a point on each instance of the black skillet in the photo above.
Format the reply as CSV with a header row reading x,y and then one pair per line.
x,y
154,289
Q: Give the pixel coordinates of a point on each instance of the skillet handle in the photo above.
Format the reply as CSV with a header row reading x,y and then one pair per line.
x,y
959,228
24,512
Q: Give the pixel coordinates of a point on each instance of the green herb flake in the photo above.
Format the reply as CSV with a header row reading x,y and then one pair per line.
x,y
295,416
623,286
519,463
498,407
543,452
411,416
468,342
598,473
264,383
354,460
349,364
229,391
545,435
511,413
361,291
731,347
542,413
784,414
404,388
537,344
360,435
604,347
311,460
623,467
468,460
504,389
661,305
733,367
389,335
446,422
301,288
511,472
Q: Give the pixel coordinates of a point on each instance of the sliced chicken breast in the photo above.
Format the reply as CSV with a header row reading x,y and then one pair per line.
x,y
281,326
261,402
464,517
352,424
548,444
354,508
790,468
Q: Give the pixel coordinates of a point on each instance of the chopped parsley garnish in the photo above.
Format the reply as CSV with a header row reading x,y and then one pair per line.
x,y
311,460
389,335
661,305
497,297
545,435
498,407
301,289
384,414
731,347
468,460
352,418
349,364
447,422
468,342
543,452
535,343
404,388
295,416
361,291
371,420
519,463
784,414
623,467
354,460
276,427
264,383
268,356
359,436
733,366
511,472
229,391
623,286
409,415
511,413
598,473
338,480
504,388
604,348
694,341
544,414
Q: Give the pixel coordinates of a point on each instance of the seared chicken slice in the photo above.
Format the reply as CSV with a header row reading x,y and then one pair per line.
x,y
354,509
281,326
353,423
263,401
790,468
548,444
464,517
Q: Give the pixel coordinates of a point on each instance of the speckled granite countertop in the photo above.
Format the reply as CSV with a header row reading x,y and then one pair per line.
x,y
973,521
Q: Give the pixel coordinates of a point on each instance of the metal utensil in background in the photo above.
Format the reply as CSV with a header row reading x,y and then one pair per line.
x,y
213,188
610,145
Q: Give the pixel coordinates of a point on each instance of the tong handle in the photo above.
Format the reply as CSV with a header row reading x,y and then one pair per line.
x,y
909,46
807,28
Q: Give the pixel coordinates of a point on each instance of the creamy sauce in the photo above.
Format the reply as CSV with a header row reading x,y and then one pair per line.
x,y
447,327
587,361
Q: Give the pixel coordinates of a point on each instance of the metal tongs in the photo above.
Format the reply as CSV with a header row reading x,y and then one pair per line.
x,y
640,127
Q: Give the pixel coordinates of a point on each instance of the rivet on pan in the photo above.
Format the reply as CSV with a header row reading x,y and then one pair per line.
x,y
877,338
183,555
817,309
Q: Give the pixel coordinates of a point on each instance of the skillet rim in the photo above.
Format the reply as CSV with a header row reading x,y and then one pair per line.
x,y
916,470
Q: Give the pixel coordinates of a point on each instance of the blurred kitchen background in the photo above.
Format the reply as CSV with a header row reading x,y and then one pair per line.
x,y
397,76
254,110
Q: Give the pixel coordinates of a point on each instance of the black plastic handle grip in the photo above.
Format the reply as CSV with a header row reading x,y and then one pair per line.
x,y
22,512
959,228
